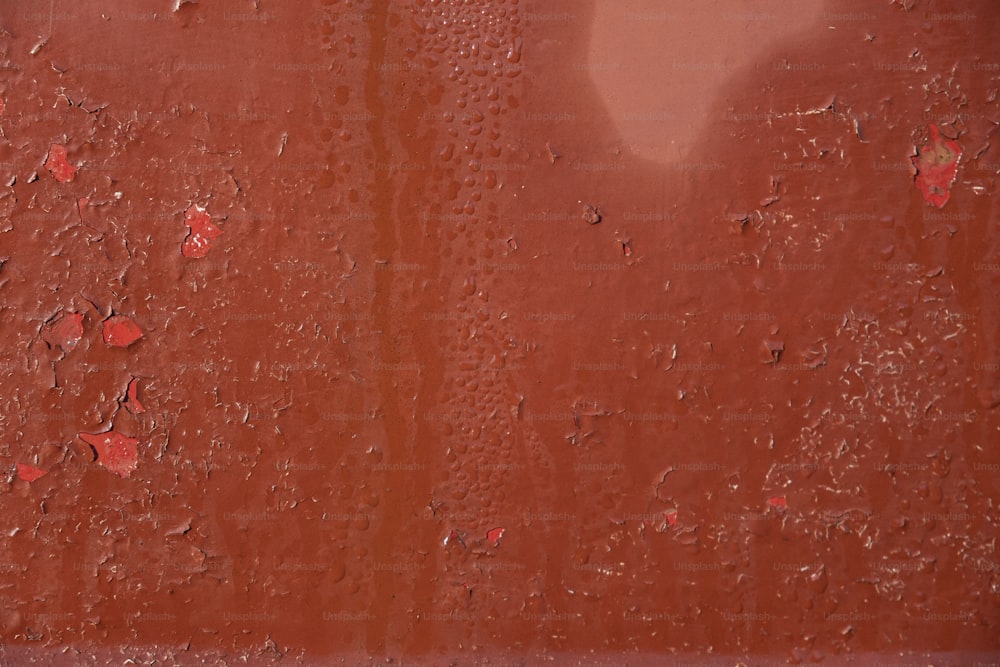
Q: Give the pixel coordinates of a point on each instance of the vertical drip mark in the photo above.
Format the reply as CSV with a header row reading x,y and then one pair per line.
x,y
383,200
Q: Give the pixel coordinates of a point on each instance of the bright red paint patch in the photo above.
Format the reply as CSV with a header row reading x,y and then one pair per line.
x,y
494,535
777,502
203,232
937,165
115,452
58,165
671,517
29,473
65,332
132,403
121,331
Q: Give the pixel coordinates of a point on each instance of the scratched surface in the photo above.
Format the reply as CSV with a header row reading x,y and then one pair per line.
x,y
499,332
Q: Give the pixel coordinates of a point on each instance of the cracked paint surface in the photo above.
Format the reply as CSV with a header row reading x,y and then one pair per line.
x,y
499,332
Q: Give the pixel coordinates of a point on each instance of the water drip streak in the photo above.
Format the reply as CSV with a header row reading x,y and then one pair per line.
x,y
383,202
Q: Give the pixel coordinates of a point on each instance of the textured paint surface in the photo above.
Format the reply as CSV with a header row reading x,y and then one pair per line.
x,y
499,332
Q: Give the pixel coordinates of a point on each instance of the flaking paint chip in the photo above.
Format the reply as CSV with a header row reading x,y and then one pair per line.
x,y
29,473
591,215
777,502
64,332
936,163
201,235
116,452
773,350
58,164
494,534
132,403
121,331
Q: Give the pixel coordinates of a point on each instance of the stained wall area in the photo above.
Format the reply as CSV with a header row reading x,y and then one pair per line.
x,y
499,332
